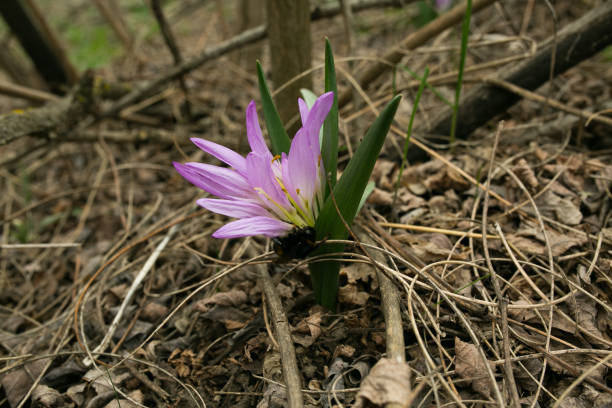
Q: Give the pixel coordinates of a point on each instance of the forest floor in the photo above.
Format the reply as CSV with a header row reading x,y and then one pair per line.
x,y
527,316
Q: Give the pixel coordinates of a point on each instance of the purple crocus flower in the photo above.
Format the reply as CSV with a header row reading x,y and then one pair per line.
x,y
268,194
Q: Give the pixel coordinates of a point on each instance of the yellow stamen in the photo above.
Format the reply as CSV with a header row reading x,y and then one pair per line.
x,y
290,217
308,220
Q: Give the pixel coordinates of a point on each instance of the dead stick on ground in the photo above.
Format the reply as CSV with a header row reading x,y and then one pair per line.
x,y
390,298
283,337
390,304
576,42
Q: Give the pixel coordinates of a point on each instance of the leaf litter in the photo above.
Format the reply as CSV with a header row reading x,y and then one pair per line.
x,y
218,346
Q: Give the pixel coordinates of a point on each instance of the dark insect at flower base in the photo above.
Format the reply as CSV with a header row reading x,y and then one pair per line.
x,y
297,244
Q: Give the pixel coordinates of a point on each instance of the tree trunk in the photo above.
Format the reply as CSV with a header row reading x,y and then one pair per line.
x,y
290,51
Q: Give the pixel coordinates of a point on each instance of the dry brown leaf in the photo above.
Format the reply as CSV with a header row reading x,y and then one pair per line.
x,y
431,247
418,173
310,325
359,272
469,366
529,315
523,314
559,243
461,279
532,366
567,212
381,197
77,394
119,291
525,173
153,312
229,298
104,381
17,383
586,314
44,396
135,395
350,294
388,382
560,189
572,402
231,317
523,244
579,362
383,173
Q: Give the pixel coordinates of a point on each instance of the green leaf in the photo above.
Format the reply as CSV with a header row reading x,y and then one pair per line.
x,y
278,135
347,195
465,33
429,86
329,145
366,193
350,187
417,98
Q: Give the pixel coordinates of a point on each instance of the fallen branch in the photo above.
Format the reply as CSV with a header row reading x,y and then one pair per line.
x,y
56,117
576,42
414,40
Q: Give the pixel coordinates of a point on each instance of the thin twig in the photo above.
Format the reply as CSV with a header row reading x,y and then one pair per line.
x,y
172,46
526,94
291,373
135,285
421,228
42,245
390,305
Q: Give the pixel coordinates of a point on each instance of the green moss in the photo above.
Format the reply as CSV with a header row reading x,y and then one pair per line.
x,y
91,46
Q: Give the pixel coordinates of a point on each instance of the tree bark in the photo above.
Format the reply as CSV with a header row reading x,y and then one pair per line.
x,y
39,41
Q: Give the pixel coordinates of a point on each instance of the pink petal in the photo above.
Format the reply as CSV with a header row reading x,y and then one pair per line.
x,y
316,117
256,140
233,208
269,227
219,181
319,110
286,176
260,175
302,165
222,153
